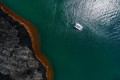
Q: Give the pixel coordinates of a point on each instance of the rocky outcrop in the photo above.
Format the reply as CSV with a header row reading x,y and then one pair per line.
x,y
17,57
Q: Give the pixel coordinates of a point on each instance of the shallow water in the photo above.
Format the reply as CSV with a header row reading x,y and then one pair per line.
x,y
90,54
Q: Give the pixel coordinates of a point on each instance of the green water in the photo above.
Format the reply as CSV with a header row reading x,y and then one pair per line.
x,y
90,54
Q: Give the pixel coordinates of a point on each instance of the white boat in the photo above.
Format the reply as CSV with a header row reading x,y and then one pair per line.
x,y
78,26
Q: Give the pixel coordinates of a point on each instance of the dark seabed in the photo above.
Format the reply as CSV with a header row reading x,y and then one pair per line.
x,y
90,54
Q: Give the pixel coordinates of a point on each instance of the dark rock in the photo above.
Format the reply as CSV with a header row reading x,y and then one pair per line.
x,y
17,58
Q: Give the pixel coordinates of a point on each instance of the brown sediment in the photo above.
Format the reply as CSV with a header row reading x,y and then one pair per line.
x,y
34,38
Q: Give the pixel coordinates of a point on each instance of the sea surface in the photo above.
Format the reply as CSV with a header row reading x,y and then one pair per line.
x,y
92,53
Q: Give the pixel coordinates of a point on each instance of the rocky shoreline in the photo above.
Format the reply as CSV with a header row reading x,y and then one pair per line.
x,y
17,57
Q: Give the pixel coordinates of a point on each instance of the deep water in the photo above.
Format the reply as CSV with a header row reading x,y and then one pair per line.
x,y
90,54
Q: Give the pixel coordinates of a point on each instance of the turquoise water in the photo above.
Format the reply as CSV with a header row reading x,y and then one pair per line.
x,y
90,54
